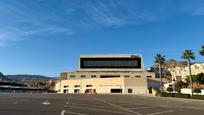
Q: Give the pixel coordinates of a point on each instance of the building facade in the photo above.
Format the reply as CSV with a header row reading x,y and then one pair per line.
x,y
107,74
181,73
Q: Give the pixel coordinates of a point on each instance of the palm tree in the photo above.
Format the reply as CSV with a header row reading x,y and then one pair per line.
x,y
160,60
188,55
202,50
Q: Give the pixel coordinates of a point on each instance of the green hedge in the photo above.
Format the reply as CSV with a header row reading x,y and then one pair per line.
x,y
177,95
201,97
164,94
180,95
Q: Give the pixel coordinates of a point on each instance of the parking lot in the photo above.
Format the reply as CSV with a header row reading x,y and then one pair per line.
x,y
73,104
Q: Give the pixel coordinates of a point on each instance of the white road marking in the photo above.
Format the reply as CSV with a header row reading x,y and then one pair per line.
x,y
161,112
46,103
125,109
78,104
75,113
95,109
62,112
143,107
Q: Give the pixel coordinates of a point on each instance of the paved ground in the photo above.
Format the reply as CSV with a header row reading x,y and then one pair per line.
x,y
54,104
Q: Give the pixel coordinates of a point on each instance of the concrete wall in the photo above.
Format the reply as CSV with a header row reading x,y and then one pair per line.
x,y
138,85
188,91
104,85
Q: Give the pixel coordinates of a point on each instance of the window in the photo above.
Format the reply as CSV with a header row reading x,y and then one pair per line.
x,y
126,76
109,76
66,86
83,76
65,91
137,76
129,90
93,76
77,86
88,85
72,76
133,62
149,76
116,90
76,91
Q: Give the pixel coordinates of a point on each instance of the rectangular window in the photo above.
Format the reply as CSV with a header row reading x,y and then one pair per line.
x,y
83,76
77,86
72,76
129,90
137,76
76,91
116,90
126,76
149,76
133,62
109,76
66,86
65,91
88,85
93,76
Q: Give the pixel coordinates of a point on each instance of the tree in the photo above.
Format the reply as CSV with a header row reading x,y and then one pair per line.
x,y
189,55
177,86
199,78
160,60
202,51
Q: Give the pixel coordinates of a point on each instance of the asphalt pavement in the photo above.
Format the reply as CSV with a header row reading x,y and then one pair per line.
x,y
85,104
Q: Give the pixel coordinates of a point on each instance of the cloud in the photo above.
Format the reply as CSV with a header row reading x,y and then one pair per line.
x,y
14,34
27,19
22,20
110,13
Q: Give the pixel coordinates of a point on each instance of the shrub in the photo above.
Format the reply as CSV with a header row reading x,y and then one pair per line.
x,y
197,90
164,94
180,95
169,89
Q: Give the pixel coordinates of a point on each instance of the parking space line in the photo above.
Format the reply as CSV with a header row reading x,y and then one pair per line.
x,y
93,105
142,107
161,112
122,108
62,112
95,109
75,113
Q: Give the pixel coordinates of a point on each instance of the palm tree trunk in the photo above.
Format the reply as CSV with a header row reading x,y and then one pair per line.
x,y
190,75
160,75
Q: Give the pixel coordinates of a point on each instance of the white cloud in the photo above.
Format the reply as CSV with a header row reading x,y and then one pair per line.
x,y
20,21
24,19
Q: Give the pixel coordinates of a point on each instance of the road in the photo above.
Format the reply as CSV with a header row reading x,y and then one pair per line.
x,y
73,104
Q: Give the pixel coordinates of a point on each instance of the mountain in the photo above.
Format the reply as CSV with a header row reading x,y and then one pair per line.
x,y
24,77
3,77
172,64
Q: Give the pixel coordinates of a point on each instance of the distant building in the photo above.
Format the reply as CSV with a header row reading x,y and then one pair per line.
x,y
107,74
12,87
181,72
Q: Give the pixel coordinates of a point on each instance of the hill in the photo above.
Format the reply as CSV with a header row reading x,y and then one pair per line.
x,y
24,77
3,77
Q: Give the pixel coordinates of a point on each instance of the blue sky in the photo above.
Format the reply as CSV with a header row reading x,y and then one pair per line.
x,y
47,36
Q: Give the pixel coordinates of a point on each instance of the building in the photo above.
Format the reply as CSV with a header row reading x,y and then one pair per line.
x,y
107,74
12,87
181,72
